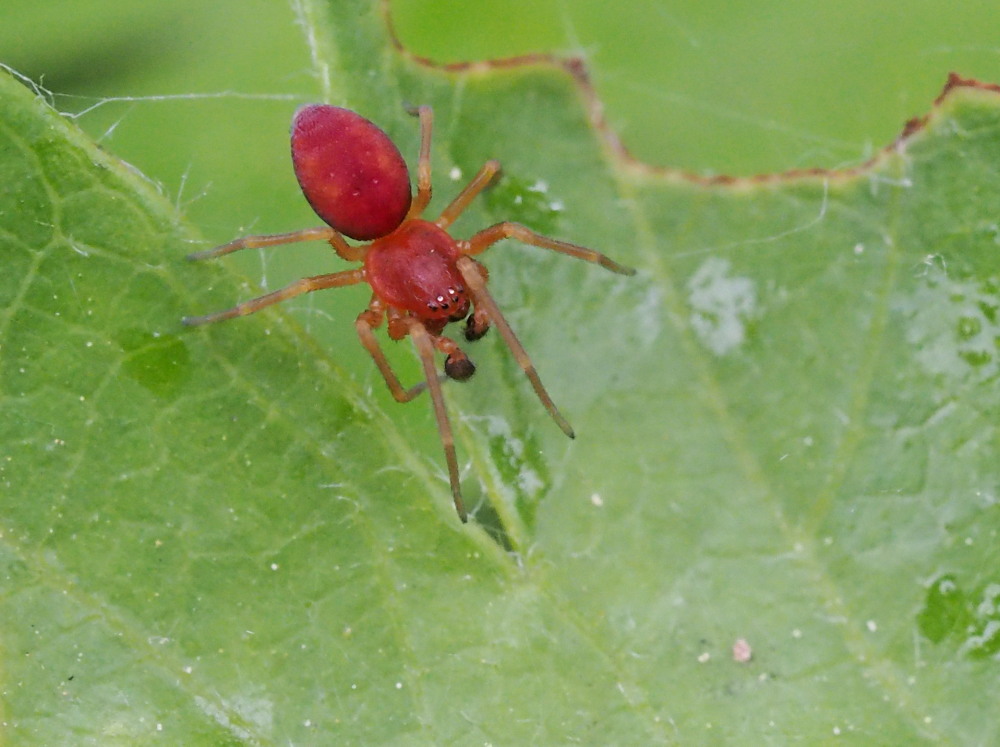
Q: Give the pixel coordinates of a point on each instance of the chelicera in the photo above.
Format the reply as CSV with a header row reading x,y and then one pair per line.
x,y
422,279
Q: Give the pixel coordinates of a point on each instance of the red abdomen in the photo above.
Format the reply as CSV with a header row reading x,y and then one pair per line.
x,y
350,171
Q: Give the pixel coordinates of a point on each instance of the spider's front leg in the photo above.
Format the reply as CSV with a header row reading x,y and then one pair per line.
x,y
425,344
488,311
457,366
367,321
478,322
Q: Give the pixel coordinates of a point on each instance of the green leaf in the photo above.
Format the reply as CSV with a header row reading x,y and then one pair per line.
x,y
786,435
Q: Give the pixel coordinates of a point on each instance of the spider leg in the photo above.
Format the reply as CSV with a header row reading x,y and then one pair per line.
x,y
483,300
321,233
304,285
457,364
425,348
423,195
484,239
478,183
368,320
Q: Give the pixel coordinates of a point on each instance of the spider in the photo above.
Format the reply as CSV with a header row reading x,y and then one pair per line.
x,y
421,278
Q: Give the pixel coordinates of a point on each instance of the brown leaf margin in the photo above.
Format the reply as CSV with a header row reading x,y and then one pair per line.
x,y
575,67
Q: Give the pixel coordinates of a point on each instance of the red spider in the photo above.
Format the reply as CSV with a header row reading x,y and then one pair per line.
x,y
421,278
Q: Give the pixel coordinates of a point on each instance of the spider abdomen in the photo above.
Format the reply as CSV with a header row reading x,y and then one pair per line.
x,y
414,269
351,173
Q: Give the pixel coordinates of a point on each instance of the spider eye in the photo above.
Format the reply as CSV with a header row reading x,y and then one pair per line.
x,y
440,303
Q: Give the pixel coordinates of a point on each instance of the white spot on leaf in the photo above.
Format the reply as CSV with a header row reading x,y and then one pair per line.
x,y
721,305
952,324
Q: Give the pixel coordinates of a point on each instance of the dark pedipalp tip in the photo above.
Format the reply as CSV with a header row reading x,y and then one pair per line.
x,y
459,369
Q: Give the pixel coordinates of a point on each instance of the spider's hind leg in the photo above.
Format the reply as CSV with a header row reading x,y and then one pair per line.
x,y
424,190
487,308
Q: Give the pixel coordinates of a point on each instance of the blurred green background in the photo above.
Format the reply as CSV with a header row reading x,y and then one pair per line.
x,y
736,86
